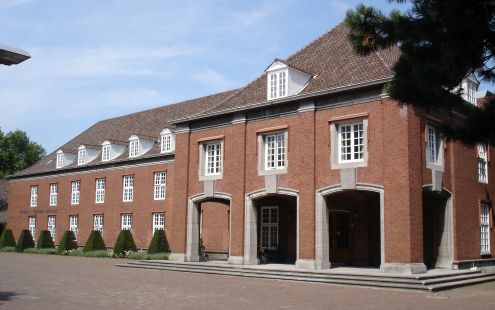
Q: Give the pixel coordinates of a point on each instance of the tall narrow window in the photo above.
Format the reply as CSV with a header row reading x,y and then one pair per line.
x,y
483,163
53,194
160,185
269,227
32,226
51,226
81,157
213,162
281,84
98,223
485,228
128,188
76,194
433,144
34,196
73,224
100,190
273,85
167,143
60,159
126,221
133,148
105,153
158,221
275,151
277,84
351,142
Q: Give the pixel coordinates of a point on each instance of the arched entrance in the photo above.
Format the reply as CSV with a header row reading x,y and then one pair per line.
x,y
210,217
437,228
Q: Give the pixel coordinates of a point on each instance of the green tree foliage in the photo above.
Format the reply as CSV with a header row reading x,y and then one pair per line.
x,y
45,240
124,243
17,152
95,242
159,242
25,241
7,239
441,43
68,242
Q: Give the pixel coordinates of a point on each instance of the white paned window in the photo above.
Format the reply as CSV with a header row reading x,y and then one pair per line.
x,y
128,193
269,227
213,162
76,194
482,163
126,222
277,84
160,185
81,157
351,142
53,194
60,160
158,221
105,153
485,228
100,190
73,224
32,226
51,226
471,92
98,223
167,143
133,148
34,196
433,143
275,151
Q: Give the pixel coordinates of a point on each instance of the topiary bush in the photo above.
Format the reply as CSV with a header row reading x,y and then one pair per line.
x,y
45,240
124,244
159,242
95,242
67,243
7,239
25,241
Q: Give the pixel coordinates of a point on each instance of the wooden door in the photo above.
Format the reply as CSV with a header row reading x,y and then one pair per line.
x,y
339,237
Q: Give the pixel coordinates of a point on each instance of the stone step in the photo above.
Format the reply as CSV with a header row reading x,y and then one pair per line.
x,y
454,284
454,278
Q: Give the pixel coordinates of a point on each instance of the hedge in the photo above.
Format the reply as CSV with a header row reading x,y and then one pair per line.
x,y
45,240
68,242
159,242
25,241
7,239
95,242
125,243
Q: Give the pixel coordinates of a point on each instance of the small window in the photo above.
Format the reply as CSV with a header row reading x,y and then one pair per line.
x,y
32,226
167,143
73,219
275,151
277,84
485,228
351,142
269,228
81,157
51,226
160,185
126,221
34,196
158,221
482,163
105,153
60,159
213,160
100,190
53,194
76,194
128,193
134,148
98,223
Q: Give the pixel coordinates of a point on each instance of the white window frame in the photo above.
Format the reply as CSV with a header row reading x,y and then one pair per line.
x,y
158,221
98,223
105,152
81,156
126,221
485,209
53,194
275,151
355,139
52,228
160,188
60,159
434,148
100,190
269,225
213,160
134,148
34,196
128,188
75,193
73,223
167,143
32,226
277,84
482,162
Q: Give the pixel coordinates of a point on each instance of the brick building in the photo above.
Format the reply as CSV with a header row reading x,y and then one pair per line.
x,y
312,163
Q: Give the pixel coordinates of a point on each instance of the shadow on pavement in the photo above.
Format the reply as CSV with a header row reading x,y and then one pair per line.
x,y
6,296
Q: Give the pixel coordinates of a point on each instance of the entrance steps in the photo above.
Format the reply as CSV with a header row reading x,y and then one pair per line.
x,y
433,280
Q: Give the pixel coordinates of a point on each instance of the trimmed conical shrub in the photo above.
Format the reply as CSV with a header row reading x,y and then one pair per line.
x,y
159,242
124,243
25,241
68,242
7,239
95,242
45,240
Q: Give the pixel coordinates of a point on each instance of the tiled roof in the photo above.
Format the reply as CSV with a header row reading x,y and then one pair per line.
x,y
146,124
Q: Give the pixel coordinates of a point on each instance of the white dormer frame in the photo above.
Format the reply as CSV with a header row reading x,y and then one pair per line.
x,y
106,150
60,159
81,155
283,80
470,85
133,146
167,141
140,146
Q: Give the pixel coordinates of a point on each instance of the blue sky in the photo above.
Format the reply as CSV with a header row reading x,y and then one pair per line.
x,y
94,59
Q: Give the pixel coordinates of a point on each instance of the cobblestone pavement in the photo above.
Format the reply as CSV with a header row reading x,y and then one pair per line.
x,y
29,281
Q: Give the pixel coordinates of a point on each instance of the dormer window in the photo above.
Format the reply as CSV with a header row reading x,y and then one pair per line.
x,y
81,155
111,149
167,141
60,159
134,147
284,81
105,152
278,82
469,88
64,159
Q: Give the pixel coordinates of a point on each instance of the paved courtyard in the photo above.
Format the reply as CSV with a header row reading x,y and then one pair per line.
x,y
29,281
